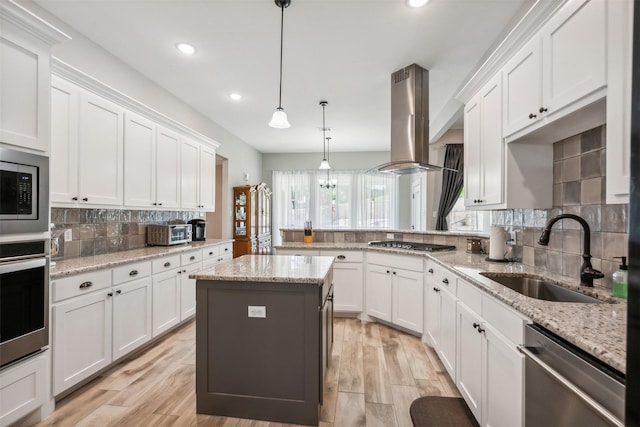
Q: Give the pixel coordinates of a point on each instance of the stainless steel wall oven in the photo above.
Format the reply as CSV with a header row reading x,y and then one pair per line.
x,y
24,299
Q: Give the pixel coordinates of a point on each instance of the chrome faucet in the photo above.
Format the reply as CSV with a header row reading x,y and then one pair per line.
x,y
587,272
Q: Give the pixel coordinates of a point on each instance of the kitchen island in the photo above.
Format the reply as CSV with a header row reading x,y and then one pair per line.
x,y
263,334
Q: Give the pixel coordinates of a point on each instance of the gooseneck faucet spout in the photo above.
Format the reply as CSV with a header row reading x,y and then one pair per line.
x,y
587,272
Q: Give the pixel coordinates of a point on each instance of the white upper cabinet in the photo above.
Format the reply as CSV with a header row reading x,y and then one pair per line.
x,y
560,70
619,101
64,141
25,43
139,161
167,173
207,179
101,145
484,147
190,164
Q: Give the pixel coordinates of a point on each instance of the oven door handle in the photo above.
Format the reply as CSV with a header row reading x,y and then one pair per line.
x,y
597,407
11,267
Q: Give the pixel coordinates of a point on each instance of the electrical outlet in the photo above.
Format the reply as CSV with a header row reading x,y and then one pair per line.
x,y
259,311
68,235
390,236
513,237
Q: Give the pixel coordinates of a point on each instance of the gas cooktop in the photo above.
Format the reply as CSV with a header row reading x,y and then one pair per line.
x,y
412,246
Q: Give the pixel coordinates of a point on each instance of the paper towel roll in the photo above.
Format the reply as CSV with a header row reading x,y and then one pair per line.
x,y
496,243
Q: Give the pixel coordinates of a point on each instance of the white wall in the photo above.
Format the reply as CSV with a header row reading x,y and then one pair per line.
x,y
95,61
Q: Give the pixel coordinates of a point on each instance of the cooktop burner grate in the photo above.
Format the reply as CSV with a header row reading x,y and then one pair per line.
x,y
412,246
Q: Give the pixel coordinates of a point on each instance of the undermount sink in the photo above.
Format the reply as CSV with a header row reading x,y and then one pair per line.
x,y
539,288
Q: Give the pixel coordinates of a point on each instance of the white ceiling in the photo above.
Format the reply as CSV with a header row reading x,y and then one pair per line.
x,y
343,51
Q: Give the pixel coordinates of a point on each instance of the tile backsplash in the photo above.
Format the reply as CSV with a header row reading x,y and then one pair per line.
x,y
100,231
579,188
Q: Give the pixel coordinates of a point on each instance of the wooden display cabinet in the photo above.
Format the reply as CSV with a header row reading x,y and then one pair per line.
x,y
251,220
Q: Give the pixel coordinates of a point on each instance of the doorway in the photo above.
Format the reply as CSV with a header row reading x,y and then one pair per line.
x,y
217,227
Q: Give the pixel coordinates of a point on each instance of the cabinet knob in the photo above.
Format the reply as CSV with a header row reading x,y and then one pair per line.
x,y
543,110
110,294
476,325
74,198
431,270
394,272
210,253
533,116
445,281
436,289
480,330
192,257
226,249
85,199
119,291
388,272
159,204
155,204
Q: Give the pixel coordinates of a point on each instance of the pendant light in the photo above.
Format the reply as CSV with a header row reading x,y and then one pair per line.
x,y
279,119
325,163
328,184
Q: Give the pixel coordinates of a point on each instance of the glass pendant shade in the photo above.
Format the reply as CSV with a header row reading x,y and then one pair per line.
x,y
324,164
279,119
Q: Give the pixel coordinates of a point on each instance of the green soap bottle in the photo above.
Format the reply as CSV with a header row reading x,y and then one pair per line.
x,y
620,280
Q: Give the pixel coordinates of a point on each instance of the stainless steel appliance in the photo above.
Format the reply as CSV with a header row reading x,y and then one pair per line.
x,y
24,192
412,246
198,229
168,234
565,386
24,299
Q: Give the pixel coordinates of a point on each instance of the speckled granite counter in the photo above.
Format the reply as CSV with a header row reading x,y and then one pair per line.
x,y
71,266
598,329
270,268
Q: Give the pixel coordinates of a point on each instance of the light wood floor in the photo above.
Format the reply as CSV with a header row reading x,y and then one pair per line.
x,y
375,374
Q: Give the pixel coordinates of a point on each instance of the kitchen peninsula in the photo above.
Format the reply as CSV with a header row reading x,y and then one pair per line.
x,y
263,334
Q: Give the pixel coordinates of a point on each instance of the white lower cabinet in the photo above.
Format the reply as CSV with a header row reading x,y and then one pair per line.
x,y
490,370
348,280
395,290
190,262
81,338
131,316
166,300
22,388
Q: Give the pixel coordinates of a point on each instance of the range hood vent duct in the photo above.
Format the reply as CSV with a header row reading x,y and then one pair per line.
x,y
409,123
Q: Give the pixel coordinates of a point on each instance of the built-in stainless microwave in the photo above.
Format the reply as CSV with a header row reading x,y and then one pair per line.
x,y
24,192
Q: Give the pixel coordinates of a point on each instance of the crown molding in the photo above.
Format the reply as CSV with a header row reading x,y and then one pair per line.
x,y
30,23
85,81
523,31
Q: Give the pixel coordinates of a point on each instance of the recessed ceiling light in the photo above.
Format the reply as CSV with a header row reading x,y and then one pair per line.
x,y
417,3
186,48
235,96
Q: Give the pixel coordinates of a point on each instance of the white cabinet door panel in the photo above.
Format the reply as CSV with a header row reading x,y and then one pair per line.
x,y
131,316
207,179
379,292
139,161
447,350
347,287
166,301
188,291
101,151
63,179
469,361
408,300
492,156
190,164
472,152
167,174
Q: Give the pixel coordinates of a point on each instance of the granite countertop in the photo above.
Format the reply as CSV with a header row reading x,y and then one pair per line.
x,y
378,230
598,329
68,267
270,268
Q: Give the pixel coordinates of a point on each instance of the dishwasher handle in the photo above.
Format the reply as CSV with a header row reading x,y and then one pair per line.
x,y
601,410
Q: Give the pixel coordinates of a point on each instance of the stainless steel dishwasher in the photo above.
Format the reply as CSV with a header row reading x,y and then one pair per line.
x,y
566,387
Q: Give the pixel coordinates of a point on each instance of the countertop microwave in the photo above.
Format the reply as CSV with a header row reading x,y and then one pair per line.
x,y
168,234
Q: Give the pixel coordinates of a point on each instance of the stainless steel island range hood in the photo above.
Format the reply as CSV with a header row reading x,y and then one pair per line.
x,y
409,123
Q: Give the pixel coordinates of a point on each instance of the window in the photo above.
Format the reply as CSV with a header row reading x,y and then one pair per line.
x,y
358,200
460,219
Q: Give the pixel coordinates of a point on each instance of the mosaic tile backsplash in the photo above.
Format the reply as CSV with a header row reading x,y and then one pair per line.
x,y
579,188
101,231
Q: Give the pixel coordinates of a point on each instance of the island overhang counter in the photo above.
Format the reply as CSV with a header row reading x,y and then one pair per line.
x,y
264,329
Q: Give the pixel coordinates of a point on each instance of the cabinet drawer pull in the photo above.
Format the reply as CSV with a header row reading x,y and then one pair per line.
x,y
226,249
431,270
74,198
220,259
388,272
394,272
110,294
445,281
167,264
436,290
119,291
341,257
210,253
476,325
533,116
480,330
543,110
192,257
86,285
85,199
133,273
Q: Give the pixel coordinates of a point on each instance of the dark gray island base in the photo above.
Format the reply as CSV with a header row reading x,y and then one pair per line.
x,y
264,327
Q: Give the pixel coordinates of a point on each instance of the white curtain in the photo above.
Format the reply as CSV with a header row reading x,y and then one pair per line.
x,y
358,200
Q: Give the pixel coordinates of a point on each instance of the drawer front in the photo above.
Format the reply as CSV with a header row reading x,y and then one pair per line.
x,y
344,256
210,254
191,257
165,263
69,287
404,262
301,252
470,295
226,249
442,276
503,319
130,272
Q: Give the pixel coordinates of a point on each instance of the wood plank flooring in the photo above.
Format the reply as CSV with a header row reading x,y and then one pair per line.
x,y
375,374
